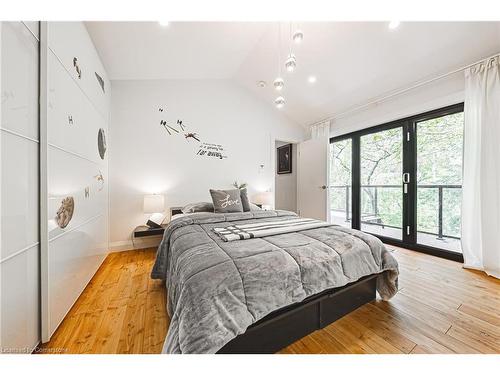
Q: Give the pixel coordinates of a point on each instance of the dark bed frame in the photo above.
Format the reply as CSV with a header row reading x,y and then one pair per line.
x,y
287,325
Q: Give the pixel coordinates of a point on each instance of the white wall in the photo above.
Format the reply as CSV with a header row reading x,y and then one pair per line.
x,y
145,159
439,94
285,185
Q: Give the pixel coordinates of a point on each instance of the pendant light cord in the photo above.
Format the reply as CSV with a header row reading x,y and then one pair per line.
x,y
279,49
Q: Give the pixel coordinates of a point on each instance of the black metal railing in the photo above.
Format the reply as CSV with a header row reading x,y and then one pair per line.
x,y
373,218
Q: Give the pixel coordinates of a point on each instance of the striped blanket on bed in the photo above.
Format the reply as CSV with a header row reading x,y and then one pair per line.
x,y
268,228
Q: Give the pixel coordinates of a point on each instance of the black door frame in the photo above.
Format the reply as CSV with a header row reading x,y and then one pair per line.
x,y
409,129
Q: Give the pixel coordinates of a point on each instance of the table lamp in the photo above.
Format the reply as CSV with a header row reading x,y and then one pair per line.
x,y
265,199
154,204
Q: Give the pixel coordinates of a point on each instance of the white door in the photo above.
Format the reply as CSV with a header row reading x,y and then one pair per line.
x,y
312,179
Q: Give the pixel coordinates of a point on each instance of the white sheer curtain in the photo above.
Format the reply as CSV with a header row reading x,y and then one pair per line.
x,y
481,180
321,129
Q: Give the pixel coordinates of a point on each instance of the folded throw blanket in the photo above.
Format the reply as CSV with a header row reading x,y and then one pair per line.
x,y
268,228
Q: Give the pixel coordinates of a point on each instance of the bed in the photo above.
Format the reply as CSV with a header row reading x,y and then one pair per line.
x,y
259,294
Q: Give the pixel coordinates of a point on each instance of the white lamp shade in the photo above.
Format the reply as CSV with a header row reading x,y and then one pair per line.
x,y
264,198
154,203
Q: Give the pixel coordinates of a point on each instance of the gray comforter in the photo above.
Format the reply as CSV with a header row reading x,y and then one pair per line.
x,y
217,289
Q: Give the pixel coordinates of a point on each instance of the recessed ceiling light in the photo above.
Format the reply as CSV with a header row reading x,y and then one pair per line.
x,y
163,23
311,79
393,24
261,84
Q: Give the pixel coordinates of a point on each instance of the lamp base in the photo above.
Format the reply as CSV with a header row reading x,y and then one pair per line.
x,y
155,220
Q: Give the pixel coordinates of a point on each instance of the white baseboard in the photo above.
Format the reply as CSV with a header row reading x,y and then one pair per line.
x,y
137,244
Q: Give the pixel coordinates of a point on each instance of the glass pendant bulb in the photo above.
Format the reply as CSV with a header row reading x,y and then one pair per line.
x,y
279,101
298,36
291,63
279,83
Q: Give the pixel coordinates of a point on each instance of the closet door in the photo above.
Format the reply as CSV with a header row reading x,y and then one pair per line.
x,y
19,202
75,216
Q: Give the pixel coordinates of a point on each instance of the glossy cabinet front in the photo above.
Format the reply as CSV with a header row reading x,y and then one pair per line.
x,y
19,201
74,146
77,167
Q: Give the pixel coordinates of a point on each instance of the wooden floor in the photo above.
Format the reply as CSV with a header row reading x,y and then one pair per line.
x,y
440,308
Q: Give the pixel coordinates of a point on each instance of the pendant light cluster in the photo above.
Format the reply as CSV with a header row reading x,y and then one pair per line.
x,y
290,63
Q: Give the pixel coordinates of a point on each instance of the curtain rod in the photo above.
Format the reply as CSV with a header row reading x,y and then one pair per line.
x,y
402,91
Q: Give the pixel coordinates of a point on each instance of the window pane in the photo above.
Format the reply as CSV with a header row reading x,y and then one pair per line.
x,y
340,182
439,181
381,185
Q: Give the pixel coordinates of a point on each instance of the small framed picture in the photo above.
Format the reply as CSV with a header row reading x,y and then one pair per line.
x,y
284,159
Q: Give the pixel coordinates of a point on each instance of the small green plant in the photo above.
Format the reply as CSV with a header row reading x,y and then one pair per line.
x,y
240,186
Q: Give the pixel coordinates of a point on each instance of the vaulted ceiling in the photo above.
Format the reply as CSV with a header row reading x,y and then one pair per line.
x,y
353,61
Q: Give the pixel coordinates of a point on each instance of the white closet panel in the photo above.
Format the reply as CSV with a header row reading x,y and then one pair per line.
x,y
19,79
70,40
69,175
20,280
19,194
77,109
73,121
73,260
19,200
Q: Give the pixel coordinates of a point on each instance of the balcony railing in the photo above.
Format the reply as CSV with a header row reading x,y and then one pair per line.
x,y
373,218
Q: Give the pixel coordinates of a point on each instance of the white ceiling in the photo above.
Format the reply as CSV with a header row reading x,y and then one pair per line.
x,y
353,61
182,50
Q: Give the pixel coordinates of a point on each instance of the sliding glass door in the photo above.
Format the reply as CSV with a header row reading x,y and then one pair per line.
x,y
402,181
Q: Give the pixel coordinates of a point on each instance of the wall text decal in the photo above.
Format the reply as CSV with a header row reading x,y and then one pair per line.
x,y
211,150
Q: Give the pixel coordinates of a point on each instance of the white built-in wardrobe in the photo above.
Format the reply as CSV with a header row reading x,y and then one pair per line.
x,y
54,175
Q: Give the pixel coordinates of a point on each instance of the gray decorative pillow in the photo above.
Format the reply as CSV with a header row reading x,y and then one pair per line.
x,y
198,207
226,200
244,200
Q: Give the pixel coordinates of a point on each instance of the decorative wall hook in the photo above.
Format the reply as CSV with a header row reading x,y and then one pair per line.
x,y
77,68
191,135
100,80
99,177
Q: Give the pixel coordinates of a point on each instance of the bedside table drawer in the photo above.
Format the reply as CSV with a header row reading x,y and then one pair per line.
x,y
144,231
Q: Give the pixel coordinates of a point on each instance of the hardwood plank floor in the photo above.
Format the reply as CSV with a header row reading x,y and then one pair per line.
x,y
440,308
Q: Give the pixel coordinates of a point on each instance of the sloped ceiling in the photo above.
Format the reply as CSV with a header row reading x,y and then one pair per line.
x,y
353,61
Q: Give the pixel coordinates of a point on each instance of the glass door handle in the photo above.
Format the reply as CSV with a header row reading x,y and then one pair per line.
x,y
406,178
